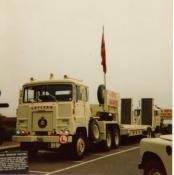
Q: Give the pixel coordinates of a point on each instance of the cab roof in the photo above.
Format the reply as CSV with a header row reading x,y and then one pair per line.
x,y
53,81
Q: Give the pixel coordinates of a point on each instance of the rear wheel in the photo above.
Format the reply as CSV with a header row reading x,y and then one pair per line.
x,y
94,132
108,142
115,138
79,146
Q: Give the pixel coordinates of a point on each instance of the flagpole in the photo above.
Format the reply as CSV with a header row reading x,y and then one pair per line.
x,y
104,79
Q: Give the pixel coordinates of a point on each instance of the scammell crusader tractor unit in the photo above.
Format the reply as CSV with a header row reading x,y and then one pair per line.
x,y
56,113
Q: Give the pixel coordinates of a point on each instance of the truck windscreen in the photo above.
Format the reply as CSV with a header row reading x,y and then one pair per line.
x,y
47,93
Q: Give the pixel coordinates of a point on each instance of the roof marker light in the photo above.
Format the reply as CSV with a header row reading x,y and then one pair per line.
x,y
51,76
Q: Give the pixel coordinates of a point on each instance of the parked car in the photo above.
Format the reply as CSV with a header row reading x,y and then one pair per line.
x,y
156,155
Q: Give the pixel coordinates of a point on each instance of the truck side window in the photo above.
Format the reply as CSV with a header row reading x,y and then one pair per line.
x,y
156,113
84,93
136,112
78,93
29,95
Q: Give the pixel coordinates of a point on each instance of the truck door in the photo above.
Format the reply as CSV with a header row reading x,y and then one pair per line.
x,y
85,98
79,106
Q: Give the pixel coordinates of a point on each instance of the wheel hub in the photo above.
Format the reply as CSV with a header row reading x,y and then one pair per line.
x,y
116,139
96,132
108,139
80,145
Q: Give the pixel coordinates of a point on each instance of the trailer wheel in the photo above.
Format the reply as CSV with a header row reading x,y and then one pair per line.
x,y
108,142
78,146
115,138
94,131
100,94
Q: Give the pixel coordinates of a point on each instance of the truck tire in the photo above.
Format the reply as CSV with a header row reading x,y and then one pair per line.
x,y
115,138
153,167
78,146
108,142
100,94
94,131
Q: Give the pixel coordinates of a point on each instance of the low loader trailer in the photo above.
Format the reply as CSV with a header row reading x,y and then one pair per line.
x,y
139,122
54,114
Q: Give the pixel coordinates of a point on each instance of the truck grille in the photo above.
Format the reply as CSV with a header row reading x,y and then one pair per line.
x,y
64,110
42,121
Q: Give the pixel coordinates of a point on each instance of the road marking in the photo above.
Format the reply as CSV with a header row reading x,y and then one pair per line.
x,y
78,161
98,154
93,160
40,172
9,147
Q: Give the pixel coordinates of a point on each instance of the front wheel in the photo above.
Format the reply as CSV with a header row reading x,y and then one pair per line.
x,y
154,167
79,146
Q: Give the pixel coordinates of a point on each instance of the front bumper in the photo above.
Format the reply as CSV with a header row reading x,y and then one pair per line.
x,y
47,139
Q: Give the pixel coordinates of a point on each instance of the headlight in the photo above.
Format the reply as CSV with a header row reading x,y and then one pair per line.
x,y
63,132
18,132
66,132
60,132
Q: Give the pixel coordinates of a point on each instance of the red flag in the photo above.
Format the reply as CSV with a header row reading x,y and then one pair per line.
x,y
103,53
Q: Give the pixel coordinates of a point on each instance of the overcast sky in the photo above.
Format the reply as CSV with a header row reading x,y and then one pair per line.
x,y
39,37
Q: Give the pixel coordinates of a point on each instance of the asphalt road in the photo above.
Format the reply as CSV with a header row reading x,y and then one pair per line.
x,y
121,161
